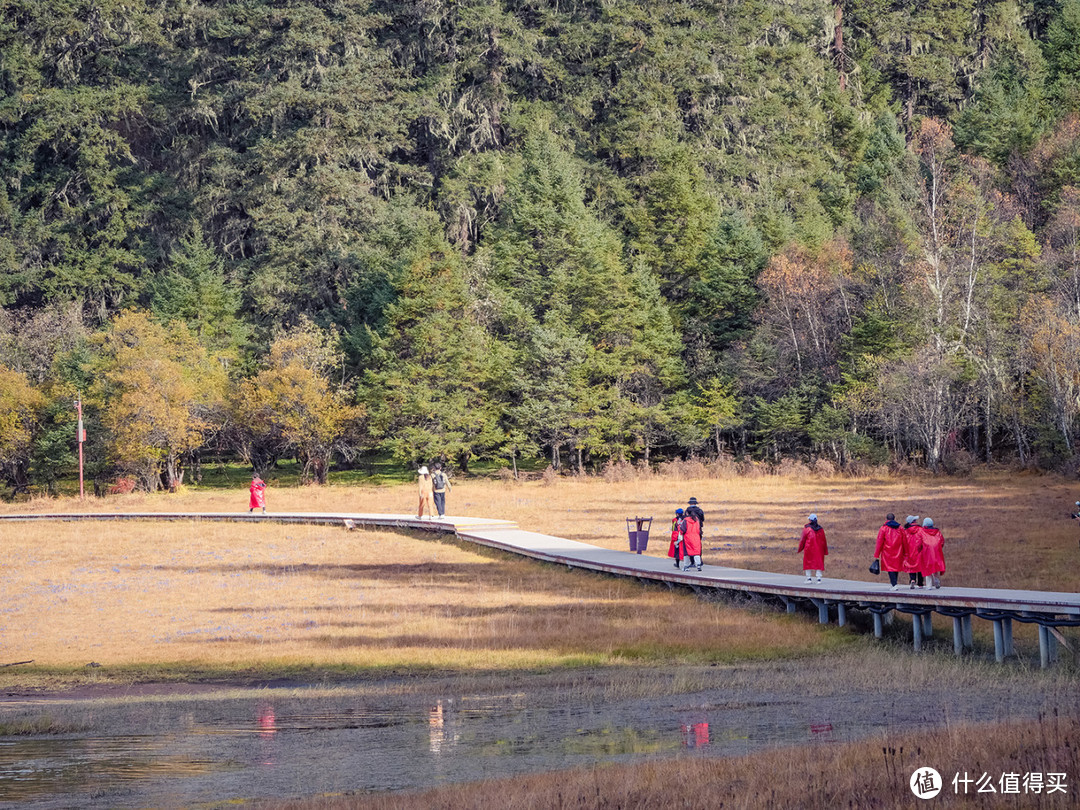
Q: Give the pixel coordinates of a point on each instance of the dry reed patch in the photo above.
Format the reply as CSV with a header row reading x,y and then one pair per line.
x,y
872,773
275,596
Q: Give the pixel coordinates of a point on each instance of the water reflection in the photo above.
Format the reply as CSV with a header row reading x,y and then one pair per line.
x,y
184,751
695,735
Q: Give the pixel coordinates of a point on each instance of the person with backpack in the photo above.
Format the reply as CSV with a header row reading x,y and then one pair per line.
x,y
440,483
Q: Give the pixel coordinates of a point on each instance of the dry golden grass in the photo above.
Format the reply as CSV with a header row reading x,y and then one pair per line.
x,y
1001,530
231,596
870,773
270,596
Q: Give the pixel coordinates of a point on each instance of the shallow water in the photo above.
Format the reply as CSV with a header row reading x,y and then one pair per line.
x,y
272,743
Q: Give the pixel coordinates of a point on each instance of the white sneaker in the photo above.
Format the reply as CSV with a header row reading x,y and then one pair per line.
x,y
819,579
894,588
809,579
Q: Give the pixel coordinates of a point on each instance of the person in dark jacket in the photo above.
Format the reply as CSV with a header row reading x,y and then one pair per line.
x,y
695,512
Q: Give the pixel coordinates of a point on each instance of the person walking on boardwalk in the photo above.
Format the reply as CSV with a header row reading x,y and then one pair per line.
x,y
425,495
814,547
912,564
440,483
891,548
931,553
676,548
691,532
257,494
693,510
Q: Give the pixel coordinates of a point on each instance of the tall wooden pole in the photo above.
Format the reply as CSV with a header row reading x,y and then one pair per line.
x,y
81,436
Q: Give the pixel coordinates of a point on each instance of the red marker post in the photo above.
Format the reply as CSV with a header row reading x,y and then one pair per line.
x,y
80,437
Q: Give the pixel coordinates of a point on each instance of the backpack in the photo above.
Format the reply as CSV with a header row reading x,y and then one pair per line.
x,y
439,480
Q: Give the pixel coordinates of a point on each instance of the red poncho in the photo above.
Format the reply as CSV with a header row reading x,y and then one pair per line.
x,y
931,551
891,546
912,561
674,536
814,548
258,494
691,537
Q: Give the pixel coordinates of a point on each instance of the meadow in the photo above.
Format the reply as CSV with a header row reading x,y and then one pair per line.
x,y
101,608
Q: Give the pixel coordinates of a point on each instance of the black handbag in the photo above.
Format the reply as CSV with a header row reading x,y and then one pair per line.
x,y
875,567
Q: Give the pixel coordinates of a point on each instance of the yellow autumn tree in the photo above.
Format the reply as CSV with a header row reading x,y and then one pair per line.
x,y
292,407
20,406
159,393
1052,345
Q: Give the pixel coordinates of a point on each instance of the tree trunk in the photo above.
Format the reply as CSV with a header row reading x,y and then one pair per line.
x,y
838,46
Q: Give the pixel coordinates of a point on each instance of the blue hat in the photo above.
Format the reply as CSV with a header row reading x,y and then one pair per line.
x,y
678,511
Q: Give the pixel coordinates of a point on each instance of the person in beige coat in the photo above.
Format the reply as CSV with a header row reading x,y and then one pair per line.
x,y
425,495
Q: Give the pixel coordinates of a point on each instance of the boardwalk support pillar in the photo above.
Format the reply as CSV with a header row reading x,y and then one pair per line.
x,y
1047,646
841,614
999,641
822,610
878,631
927,625
917,631
958,635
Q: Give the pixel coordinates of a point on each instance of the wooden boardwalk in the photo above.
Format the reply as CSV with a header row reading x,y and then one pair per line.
x,y
1049,610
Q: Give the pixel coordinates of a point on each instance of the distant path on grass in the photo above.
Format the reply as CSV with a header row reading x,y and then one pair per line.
x,y
1049,610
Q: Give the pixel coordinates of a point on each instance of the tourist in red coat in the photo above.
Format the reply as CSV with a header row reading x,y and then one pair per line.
x,y
257,494
931,553
891,548
814,548
676,548
691,531
912,563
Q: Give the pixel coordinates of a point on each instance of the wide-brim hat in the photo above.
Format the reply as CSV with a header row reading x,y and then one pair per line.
x,y
692,502
423,471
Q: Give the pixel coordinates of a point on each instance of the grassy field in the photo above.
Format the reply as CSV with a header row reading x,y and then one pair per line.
x,y
242,603
215,598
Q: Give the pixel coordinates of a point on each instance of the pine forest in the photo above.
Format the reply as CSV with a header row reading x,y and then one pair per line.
x,y
565,233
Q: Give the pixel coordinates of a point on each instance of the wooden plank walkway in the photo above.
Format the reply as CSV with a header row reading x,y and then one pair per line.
x,y
1001,606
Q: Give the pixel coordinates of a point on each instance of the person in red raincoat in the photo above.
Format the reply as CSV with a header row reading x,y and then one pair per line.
x,y
912,563
814,548
931,553
691,530
891,548
676,548
257,496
